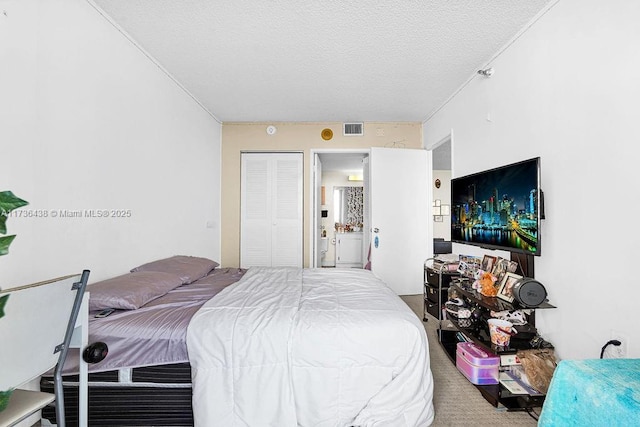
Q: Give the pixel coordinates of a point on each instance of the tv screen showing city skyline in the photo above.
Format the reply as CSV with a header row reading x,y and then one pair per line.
x,y
498,208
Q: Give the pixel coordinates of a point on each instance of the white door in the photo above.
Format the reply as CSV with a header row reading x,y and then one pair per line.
x,y
366,212
399,217
317,227
271,210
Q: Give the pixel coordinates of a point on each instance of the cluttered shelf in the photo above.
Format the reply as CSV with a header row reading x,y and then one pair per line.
x,y
499,372
486,325
509,391
498,325
493,303
478,328
482,336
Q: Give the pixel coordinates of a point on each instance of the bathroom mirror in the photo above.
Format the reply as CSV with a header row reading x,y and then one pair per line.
x,y
348,205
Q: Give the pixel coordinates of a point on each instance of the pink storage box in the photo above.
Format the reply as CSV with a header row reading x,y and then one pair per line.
x,y
478,365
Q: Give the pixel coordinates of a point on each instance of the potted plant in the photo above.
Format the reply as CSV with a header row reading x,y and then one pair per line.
x,y
8,203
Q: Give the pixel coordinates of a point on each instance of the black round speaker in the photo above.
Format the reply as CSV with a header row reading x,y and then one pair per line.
x,y
529,292
95,352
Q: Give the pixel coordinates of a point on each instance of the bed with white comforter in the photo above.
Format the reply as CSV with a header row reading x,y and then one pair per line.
x,y
309,347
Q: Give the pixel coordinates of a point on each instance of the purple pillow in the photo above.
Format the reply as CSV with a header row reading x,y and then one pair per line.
x,y
132,290
188,268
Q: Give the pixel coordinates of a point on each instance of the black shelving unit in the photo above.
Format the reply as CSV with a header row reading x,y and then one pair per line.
x,y
435,287
479,334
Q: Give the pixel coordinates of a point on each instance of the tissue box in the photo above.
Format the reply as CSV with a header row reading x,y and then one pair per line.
x,y
478,365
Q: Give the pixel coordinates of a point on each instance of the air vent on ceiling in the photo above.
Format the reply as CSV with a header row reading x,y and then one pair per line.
x,y
352,129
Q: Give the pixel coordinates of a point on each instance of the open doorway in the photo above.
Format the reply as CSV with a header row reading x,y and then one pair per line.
x,y
340,241
395,188
441,170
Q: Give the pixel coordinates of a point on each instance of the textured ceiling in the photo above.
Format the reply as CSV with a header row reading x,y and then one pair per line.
x,y
330,60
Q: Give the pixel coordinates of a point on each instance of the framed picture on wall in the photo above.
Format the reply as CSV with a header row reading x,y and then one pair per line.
x,y
505,292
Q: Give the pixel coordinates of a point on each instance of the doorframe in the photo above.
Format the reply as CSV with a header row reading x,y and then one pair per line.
x,y
431,147
314,242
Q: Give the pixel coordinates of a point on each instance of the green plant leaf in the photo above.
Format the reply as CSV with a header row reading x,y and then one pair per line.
x,y
5,241
3,302
9,202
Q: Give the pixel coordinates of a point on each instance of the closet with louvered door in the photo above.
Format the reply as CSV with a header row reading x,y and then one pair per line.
x,y
271,210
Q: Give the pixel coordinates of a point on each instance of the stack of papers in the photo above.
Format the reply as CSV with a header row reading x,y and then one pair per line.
x,y
516,385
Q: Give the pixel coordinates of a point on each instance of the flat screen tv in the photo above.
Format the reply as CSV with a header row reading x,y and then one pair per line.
x,y
499,208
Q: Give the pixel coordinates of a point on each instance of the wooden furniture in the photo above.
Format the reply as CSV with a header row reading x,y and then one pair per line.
x,y
41,322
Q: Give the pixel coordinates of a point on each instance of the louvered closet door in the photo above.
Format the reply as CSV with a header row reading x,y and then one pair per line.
x,y
255,204
271,210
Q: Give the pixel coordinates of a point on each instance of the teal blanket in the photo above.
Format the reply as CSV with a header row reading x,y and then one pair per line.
x,y
601,392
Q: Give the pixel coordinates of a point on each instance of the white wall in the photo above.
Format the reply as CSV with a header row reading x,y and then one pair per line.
x,y
89,122
442,228
567,90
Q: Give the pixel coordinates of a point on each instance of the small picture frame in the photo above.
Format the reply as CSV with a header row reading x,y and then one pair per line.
x,y
465,268
499,268
470,263
512,266
488,262
505,292
503,266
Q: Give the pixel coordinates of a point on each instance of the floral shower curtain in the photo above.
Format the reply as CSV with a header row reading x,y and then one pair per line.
x,y
354,200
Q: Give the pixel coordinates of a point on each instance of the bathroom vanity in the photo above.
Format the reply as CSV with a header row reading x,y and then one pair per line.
x,y
349,249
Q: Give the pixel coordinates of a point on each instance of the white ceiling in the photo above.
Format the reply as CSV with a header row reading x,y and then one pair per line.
x,y
316,61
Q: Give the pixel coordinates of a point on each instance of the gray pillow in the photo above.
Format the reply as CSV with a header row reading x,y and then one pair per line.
x,y
189,268
132,290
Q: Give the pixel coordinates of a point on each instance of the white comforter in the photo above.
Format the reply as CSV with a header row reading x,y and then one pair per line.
x,y
314,347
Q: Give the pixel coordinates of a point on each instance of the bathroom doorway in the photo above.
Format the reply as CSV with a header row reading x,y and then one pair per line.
x,y
342,206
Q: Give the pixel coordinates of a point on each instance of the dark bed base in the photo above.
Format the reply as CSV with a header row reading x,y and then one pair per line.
x,y
127,405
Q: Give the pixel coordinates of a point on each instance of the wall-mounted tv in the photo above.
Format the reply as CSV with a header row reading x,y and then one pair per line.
x,y
499,208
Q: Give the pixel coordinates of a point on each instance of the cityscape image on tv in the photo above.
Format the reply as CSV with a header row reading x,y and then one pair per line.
x,y
497,208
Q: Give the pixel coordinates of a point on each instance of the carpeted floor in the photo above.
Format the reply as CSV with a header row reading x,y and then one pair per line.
x,y
457,402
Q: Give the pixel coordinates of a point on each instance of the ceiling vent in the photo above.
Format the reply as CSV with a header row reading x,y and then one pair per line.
x,y
352,129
